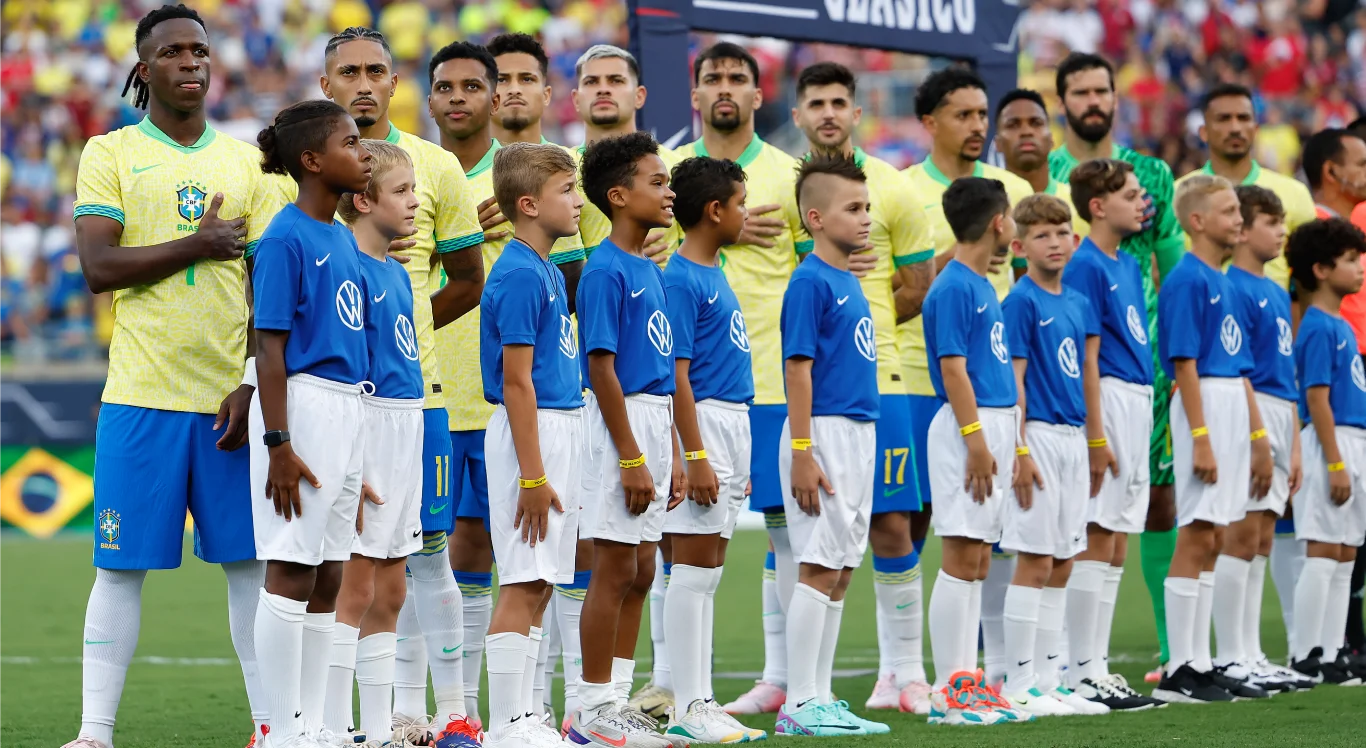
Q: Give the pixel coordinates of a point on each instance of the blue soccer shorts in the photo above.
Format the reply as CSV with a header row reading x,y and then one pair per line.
x,y
766,430
894,472
438,506
471,482
922,409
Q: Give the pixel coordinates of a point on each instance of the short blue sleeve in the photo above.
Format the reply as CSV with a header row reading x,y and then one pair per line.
x,y
952,321
599,305
1020,317
1316,344
681,298
1088,280
517,307
1090,318
275,282
1182,313
801,318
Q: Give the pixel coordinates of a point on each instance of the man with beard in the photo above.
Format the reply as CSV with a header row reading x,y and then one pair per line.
x,y
463,102
523,88
1085,82
359,75
952,105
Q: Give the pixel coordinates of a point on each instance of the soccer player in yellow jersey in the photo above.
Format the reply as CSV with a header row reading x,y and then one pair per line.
x,y
359,75
1230,131
1023,138
164,212
827,115
463,99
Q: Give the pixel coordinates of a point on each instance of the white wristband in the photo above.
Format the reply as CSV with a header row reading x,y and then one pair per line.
x,y
249,374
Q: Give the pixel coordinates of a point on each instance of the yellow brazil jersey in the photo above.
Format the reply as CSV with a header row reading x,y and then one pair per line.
x,y
594,226
932,184
447,220
457,344
900,236
1295,198
180,343
759,275
1063,191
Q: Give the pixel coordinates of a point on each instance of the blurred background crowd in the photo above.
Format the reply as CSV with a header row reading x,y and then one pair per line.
x,y
66,61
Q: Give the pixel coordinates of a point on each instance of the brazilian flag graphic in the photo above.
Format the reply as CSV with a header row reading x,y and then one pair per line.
x,y
40,493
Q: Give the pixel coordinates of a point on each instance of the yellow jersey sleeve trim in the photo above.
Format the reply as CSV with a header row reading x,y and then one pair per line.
x,y
568,256
461,242
104,211
805,246
913,258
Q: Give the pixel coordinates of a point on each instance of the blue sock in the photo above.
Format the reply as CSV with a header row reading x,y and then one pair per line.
x,y
919,546
896,570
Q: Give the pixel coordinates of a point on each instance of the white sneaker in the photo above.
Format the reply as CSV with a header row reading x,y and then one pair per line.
x,y
412,730
706,723
885,694
523,733
1079,705
1035,702
85,743
915,697
611,728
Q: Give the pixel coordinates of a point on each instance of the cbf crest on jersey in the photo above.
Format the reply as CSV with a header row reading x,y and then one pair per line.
x,y
108,525
191,202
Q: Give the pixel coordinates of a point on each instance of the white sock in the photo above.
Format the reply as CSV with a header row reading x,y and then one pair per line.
x,y
1200,636
900,620
1181,596
661,674
439,611
1048,643
709,631
950,614
1230,602
535,638
1252,609
112,621
1335,614
317,657
1084,589
410,667
507,655
477,613
569,609
279,633
825,663
338,709
623,678
807,614
538,686
595,698
682,612
786,570
245,580
1020,629
775,628
975,616
993,592
375,661
1311,603
1105,616
884,649
1287,558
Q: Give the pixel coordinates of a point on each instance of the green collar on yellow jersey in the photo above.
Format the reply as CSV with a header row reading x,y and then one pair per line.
x,y
155,133
751,152
1252,175
393,134
1052,188
486,162
938,175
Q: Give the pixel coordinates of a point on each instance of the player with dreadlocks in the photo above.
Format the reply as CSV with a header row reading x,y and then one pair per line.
x,y
165,210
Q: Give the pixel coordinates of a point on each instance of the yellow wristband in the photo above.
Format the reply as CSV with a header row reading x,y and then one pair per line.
x,y
971,428
534,483
637,462
1337,467
1021,451
1199,432
1258,434
801,445
700,454
1097,443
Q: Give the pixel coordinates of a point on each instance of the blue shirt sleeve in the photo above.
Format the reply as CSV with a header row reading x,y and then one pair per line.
x,y
952,321
1020,318
600,297
681,298
517,307
801,321
1316,344
275,279
1182,314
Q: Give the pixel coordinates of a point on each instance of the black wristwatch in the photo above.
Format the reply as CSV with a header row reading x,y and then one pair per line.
x,y
275,438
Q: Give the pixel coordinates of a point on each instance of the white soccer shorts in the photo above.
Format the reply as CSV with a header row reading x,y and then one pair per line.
x,y
1281,420
846,450
551,560
1317,518
725,436
956,513
1055,524
393,468
1127,410
1224,400
327,430
605,516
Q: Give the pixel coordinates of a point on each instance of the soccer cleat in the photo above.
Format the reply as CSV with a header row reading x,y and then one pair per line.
x,y
411,731
763,698
653,700
1310,667
915,697
524,733
1040,704
1119,685
949,706
984,694
93,743
754,734
1078,704
564,726
651,725
1226,677
1099,691
885,694
869,727
1295,678
704,722
1351,667
818,720
1187,686
459,732
1153,676
610,728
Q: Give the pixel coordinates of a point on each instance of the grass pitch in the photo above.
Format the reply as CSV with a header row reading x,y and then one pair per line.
x,y
185,689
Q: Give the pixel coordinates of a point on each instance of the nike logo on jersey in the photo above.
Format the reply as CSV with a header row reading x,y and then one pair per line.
x,y
1342,345
1045,322
841,301
141,169
981,308
552,298
714,297
1114,287
637,293
319,263
380,298
1262,303
1216,298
